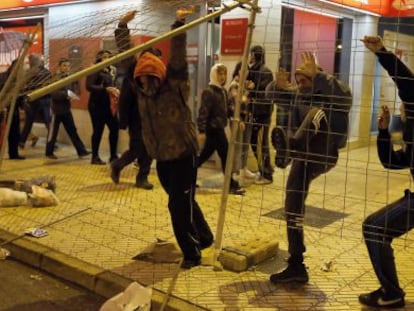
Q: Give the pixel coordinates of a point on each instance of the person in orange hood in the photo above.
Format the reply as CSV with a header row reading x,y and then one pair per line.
x,y
169,137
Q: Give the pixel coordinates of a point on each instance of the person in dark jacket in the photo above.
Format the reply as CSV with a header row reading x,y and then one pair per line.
x,y
212,120
14,131
397,218
261,112
101,86
38,76
169,136
129,117
61,113
318,128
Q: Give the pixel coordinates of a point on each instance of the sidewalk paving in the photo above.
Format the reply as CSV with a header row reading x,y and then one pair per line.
x,y
99,227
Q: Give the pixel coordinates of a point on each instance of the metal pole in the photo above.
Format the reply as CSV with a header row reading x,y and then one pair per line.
x,y
234,130
129,53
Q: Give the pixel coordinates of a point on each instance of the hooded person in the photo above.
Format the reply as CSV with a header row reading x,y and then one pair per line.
x,y
261,111
212,120
169,136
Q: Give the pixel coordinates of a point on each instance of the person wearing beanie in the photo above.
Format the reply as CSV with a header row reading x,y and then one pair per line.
x,y
169,137
212,120
261,112
317,128
394,219
102,93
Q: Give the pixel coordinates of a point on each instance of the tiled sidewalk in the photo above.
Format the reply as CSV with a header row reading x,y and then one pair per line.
x,y
106,225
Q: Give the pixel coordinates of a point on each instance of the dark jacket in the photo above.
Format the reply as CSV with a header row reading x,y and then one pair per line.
x,y
404,79
61,103
261,76
167,128
37,78
128,106
96,84
213,112
329,94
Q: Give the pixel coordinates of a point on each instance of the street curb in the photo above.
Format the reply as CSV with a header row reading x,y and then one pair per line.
x,y
100,281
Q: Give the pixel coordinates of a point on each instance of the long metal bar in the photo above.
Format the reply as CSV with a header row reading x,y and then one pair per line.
x,y
235,127
131,52
9,93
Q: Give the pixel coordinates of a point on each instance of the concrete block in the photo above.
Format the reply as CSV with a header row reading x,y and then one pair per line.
x,y
242,256
27,251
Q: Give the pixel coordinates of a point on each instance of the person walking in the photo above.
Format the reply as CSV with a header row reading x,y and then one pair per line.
x,y
38,76
62,113
212,120
129,117
14,130
101,86
396,218
318,128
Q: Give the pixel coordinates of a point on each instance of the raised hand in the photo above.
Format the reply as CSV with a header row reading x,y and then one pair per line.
x,y
182,13
128,17
282,79
373,43
383,120
309,66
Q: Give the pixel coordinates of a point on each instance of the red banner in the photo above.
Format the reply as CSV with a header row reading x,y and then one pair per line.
x,y
11,4
233,35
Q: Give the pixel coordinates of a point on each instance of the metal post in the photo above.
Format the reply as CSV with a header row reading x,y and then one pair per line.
x,y
129,53
234,130
10,96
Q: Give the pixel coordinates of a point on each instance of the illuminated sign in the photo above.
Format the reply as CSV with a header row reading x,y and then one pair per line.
x,y
402,8
15,4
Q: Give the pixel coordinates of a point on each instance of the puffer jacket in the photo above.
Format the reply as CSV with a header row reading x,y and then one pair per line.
x,y
213,112
167,127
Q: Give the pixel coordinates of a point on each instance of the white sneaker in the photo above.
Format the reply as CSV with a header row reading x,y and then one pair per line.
x,y
246,173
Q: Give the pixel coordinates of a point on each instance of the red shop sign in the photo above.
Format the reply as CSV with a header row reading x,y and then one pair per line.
x,y
233,35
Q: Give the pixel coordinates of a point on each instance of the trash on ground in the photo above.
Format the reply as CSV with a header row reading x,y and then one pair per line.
x,y
36,232
161,251
327,266
134,297
4,253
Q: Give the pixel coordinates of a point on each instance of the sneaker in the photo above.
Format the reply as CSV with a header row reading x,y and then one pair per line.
x,y
51,156
246,173
190,263
281,144
115,174
17,157
237,190
84,154
34,140
380,299
144,184
292,273
97,161
113,158
263,181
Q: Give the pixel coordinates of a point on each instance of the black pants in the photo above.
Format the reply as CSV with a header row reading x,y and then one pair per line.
x,y
69,125
379,229
137,151
260,136
178,178
40,106
101,117
314,154
14,134
216,140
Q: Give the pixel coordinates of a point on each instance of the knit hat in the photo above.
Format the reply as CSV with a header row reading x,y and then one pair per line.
x,y
149,64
